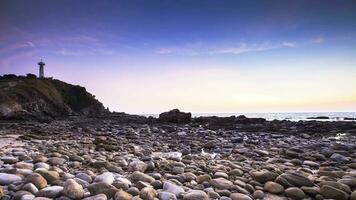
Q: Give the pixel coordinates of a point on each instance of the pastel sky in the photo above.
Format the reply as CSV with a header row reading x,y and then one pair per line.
x,y
141,56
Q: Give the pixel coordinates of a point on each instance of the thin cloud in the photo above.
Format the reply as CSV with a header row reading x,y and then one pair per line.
x,y
317,40
289,44
238,49
85,52
17,46
241,48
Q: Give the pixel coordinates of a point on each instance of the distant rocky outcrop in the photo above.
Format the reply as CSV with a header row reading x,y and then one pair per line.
x,y
175,116
26,97
319,117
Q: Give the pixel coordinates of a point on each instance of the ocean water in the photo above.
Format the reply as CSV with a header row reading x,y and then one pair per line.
x,y
334,116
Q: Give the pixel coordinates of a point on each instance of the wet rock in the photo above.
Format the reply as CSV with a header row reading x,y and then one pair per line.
x,y
273,187
178,170
337,185
148,193
72,189
294,193
97,197
239,196
290,179
56,161
258,194
137,165
106,177
6,179
28,197
221,183
134,191
139,176
196,195
203,178
37,180
264,176
1,191
50,176
172,188
163,195
236,172
19,194
50,192
23,165
84,177
329,192
30,188
9,159
311,191
122,195
339,158
40,158
351,182
103,188
353,195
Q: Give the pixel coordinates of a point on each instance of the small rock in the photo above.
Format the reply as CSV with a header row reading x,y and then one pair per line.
x,y
264,176
290,179
6,179
50,192
196,195
103,188
178,170
239,196
72,189
148,193
30,187
106,177
137,165
9,159
330,192
294,193
50,176
37,180
203,178
19,194
139,176
221,183
172,188
97,197
353,195
122,195
273,187
163,195
258,194
339,158
56,161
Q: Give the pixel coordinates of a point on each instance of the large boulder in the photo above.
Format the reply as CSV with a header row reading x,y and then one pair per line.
x,y
175,116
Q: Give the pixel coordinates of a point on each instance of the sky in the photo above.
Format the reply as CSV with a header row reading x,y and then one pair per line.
x,y
202,56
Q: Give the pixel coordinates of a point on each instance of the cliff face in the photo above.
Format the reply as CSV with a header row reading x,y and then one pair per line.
x,y
23,97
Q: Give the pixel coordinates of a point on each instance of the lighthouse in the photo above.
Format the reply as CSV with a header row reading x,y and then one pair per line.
x,y
41,69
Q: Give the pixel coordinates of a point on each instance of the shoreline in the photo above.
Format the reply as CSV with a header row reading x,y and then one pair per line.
x,y
131,157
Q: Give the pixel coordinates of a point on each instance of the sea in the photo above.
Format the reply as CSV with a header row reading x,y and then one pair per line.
x,y
292,116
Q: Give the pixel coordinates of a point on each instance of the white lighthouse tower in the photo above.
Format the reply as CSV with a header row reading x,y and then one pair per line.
x,y
41,69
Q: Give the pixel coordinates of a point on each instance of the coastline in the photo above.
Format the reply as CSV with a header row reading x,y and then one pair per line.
x,y
135,157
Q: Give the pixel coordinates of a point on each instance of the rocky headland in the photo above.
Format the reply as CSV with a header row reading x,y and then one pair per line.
x,y
28,97
121,157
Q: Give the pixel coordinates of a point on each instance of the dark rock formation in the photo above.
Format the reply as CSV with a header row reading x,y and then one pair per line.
x,y
24,97
175,116
319,117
